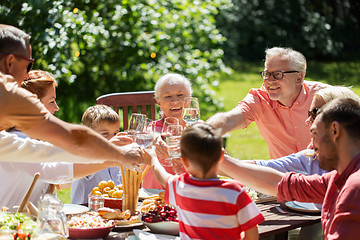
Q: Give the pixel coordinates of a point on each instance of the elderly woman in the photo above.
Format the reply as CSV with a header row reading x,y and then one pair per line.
x,y
170,91
19,175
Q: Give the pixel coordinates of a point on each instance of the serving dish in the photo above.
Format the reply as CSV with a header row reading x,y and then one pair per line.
x,y
167,227
89,233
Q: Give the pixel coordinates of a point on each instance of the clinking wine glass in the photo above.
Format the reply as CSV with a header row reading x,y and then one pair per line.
x,y
145,137
191,110
173,142
167,122
136,124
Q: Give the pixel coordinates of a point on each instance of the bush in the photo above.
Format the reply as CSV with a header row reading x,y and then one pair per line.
x,y
97,47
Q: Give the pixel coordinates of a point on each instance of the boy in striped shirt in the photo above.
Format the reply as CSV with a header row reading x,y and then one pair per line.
x,y
208,208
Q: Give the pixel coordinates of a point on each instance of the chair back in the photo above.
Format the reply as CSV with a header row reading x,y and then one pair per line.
x,y
129,102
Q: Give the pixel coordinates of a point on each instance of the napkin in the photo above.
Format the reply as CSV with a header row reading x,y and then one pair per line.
x,y
141,235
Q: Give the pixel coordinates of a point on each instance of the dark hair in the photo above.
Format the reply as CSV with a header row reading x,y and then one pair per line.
x,y
13,40
346,111
201,144
39,82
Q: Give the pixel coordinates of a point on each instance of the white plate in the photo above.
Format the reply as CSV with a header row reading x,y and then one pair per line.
x,y
170,228
70,209
130,225
303,207
147,192
150,236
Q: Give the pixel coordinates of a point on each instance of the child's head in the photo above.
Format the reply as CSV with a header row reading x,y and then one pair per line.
x,y
201,144
102,119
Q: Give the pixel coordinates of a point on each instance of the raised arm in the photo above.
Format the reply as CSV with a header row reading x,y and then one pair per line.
x,y
262,179
159,171
82,170
83,141
228,121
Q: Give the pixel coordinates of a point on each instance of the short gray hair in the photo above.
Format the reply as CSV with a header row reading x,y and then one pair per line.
x,y
330,93
168,77
297,60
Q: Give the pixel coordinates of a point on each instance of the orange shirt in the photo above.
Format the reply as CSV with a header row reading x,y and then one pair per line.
x,y
283,128
19,108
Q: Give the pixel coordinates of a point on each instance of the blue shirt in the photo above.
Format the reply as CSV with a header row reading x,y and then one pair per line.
x,y
298,162
80,189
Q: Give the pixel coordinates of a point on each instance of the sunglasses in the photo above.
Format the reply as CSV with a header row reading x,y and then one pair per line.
x,y
313,113
31,61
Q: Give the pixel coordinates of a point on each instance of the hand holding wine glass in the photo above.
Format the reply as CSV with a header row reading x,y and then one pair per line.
x,y
191,110
136,124
145,136
173,141
167,122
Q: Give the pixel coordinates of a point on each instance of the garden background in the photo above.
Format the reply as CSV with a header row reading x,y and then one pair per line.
x,y
96,47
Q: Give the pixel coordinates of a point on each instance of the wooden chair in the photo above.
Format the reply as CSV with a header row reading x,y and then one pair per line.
x,y
129,102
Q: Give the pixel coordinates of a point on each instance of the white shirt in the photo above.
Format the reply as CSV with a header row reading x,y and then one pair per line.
x,y
16,176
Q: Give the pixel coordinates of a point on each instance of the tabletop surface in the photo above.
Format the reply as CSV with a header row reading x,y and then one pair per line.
x,y
275,221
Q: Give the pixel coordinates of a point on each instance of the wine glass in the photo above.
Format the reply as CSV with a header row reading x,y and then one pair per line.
x,y
167,122
136,123
145,136
191,110
173,142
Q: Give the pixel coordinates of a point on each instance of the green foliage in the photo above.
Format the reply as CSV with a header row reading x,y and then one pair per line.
x,y
97,47
319,29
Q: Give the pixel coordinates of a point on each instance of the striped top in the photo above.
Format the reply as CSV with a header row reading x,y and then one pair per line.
x,y
211,208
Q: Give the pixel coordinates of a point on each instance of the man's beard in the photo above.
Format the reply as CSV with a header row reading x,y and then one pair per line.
x,y
329,161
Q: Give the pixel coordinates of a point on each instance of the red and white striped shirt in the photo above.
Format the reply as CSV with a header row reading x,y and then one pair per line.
x,y
211,208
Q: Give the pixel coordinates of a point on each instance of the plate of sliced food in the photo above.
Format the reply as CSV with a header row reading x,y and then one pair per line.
x,y
122,219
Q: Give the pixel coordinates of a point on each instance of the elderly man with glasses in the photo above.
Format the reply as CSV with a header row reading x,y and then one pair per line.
x,y
280,107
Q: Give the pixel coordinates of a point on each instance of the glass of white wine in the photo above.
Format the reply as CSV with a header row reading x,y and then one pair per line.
x,y
145,136
191,110
173,142
136,124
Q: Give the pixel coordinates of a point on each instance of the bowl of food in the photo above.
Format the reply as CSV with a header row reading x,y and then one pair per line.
x,y
163,220
89,225
89,233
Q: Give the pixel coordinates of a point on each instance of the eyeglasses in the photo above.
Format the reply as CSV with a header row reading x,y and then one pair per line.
x,y
278,75
313,113
31,61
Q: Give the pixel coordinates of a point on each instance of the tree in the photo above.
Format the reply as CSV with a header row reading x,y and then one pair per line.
x,y
97,47
320,29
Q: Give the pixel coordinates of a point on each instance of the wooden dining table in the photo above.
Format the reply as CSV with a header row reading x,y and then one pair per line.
x,y
277,222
